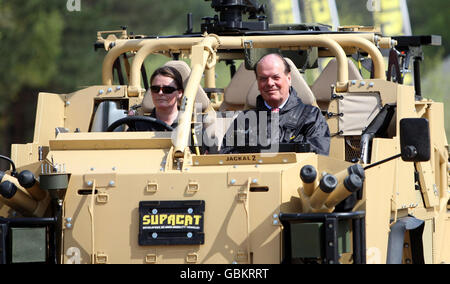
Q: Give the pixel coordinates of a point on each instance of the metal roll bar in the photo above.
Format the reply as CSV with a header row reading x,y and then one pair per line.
x,y
203,54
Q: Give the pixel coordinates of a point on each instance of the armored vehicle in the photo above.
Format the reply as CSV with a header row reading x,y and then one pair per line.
x,y
89,189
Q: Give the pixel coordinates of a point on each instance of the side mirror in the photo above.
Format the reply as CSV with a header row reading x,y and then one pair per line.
x,y
415,139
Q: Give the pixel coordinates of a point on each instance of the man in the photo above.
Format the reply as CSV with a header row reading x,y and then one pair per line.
x,y
278,105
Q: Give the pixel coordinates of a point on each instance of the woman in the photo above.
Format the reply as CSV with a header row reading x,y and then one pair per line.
x,y
166,86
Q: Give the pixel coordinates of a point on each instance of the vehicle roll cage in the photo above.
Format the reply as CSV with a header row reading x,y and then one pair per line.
x,y
203,51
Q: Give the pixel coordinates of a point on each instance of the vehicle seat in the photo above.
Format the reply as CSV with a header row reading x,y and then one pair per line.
x,y
185,71
237,89
321,88
356,110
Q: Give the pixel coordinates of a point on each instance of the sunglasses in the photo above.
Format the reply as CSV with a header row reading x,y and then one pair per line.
x,y
165,89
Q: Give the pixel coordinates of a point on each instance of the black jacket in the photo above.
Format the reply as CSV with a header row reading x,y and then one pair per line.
x,y
143,126
298,123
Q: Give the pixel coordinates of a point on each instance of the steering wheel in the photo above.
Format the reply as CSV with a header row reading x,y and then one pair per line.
x,y
130,121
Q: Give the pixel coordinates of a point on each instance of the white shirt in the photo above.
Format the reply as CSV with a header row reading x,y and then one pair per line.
x,y
280,107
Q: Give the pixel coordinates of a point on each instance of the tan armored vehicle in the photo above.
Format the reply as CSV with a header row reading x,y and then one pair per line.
x,y
89,190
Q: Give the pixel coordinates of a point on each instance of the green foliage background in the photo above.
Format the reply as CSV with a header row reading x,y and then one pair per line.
x,y
46,48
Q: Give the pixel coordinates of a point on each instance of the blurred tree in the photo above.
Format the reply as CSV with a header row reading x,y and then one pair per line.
x,y
30,32
354,12
46,47
30,35
81,66
431,18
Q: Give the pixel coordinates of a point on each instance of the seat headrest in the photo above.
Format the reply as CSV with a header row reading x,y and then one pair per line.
x,y
236,91
185,72
328,77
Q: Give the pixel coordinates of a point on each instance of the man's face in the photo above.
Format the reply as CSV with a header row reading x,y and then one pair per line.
x,y
273,82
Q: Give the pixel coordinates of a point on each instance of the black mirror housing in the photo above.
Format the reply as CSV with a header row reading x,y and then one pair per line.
x,y
415,139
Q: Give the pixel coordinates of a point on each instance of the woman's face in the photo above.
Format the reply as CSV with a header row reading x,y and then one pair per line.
x,y
165,100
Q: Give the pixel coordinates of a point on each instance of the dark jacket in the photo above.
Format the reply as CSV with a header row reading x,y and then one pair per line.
x,y
298,123
143,126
